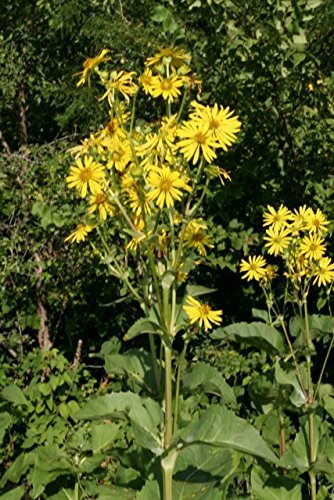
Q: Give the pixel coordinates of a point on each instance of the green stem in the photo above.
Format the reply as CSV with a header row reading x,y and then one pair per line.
x,y
182,105
133,112
325,362
154,362
282,443
168,397
167,483
178,381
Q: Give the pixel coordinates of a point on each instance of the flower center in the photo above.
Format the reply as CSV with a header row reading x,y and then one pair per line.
x,y
205,309
86,174
200,138
100,198
165,185
214,124
166,84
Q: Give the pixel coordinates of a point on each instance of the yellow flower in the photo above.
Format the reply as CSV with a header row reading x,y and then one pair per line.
x,y
312,247
120,82
88,174
278,240
324,272
175,57
89,64
147,79
277,218
202,312
298,218
167,87
120,153
316,221
80,233
99,201
196,140
167,185
220,121
195,236
254,268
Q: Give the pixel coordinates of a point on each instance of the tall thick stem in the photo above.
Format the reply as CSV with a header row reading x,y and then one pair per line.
x,y
282,443
168,398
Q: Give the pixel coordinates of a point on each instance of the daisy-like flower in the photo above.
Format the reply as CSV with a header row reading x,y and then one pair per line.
x,y
99,201
120,153
88,174
167,185
202,313
147,79
278,239
176,58
316,221
167,87
196,236
278,218
312,247
120,82
298,218
254,268
89,64
324,273
196,140
219,120
80,233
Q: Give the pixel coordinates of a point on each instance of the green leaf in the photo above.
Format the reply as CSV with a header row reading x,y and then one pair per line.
x,y
15,494
20,465
135,364
145,415
14,394
5,421
142,326
260,314
210,380
256,334
328,404
297,397
197,468
221,427
197,290
103,434
269,486
150,491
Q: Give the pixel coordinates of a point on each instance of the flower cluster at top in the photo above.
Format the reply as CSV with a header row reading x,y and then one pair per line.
x,y
138,168
298,238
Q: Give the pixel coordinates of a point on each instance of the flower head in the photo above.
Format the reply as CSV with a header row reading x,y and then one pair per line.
x,y
80,233
278,239
276,218
202,312
312,247
197,237
254,268
120,82
324,272
175,57
167,87
316,221
99,201
88,174
197,139
167,185
89,64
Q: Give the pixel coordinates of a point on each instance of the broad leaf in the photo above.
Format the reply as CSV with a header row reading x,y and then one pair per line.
x,y
274,487
256,334
20,465
150,491
5,421
211,380
142,326
14,394
145,415
15,494
199,467
298,396
103,434
221,427
197,290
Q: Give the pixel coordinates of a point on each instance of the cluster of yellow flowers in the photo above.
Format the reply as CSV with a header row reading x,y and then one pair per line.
x,y
297,237
150,174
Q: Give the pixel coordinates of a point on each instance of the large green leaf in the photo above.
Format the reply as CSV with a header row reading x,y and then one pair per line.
x,y
14,394
145,415
50,463
142,326
256,334
274,487
15,494
199,467
221,427
20,465
136,364
150,491
298,396
210,380
103,434
5,421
